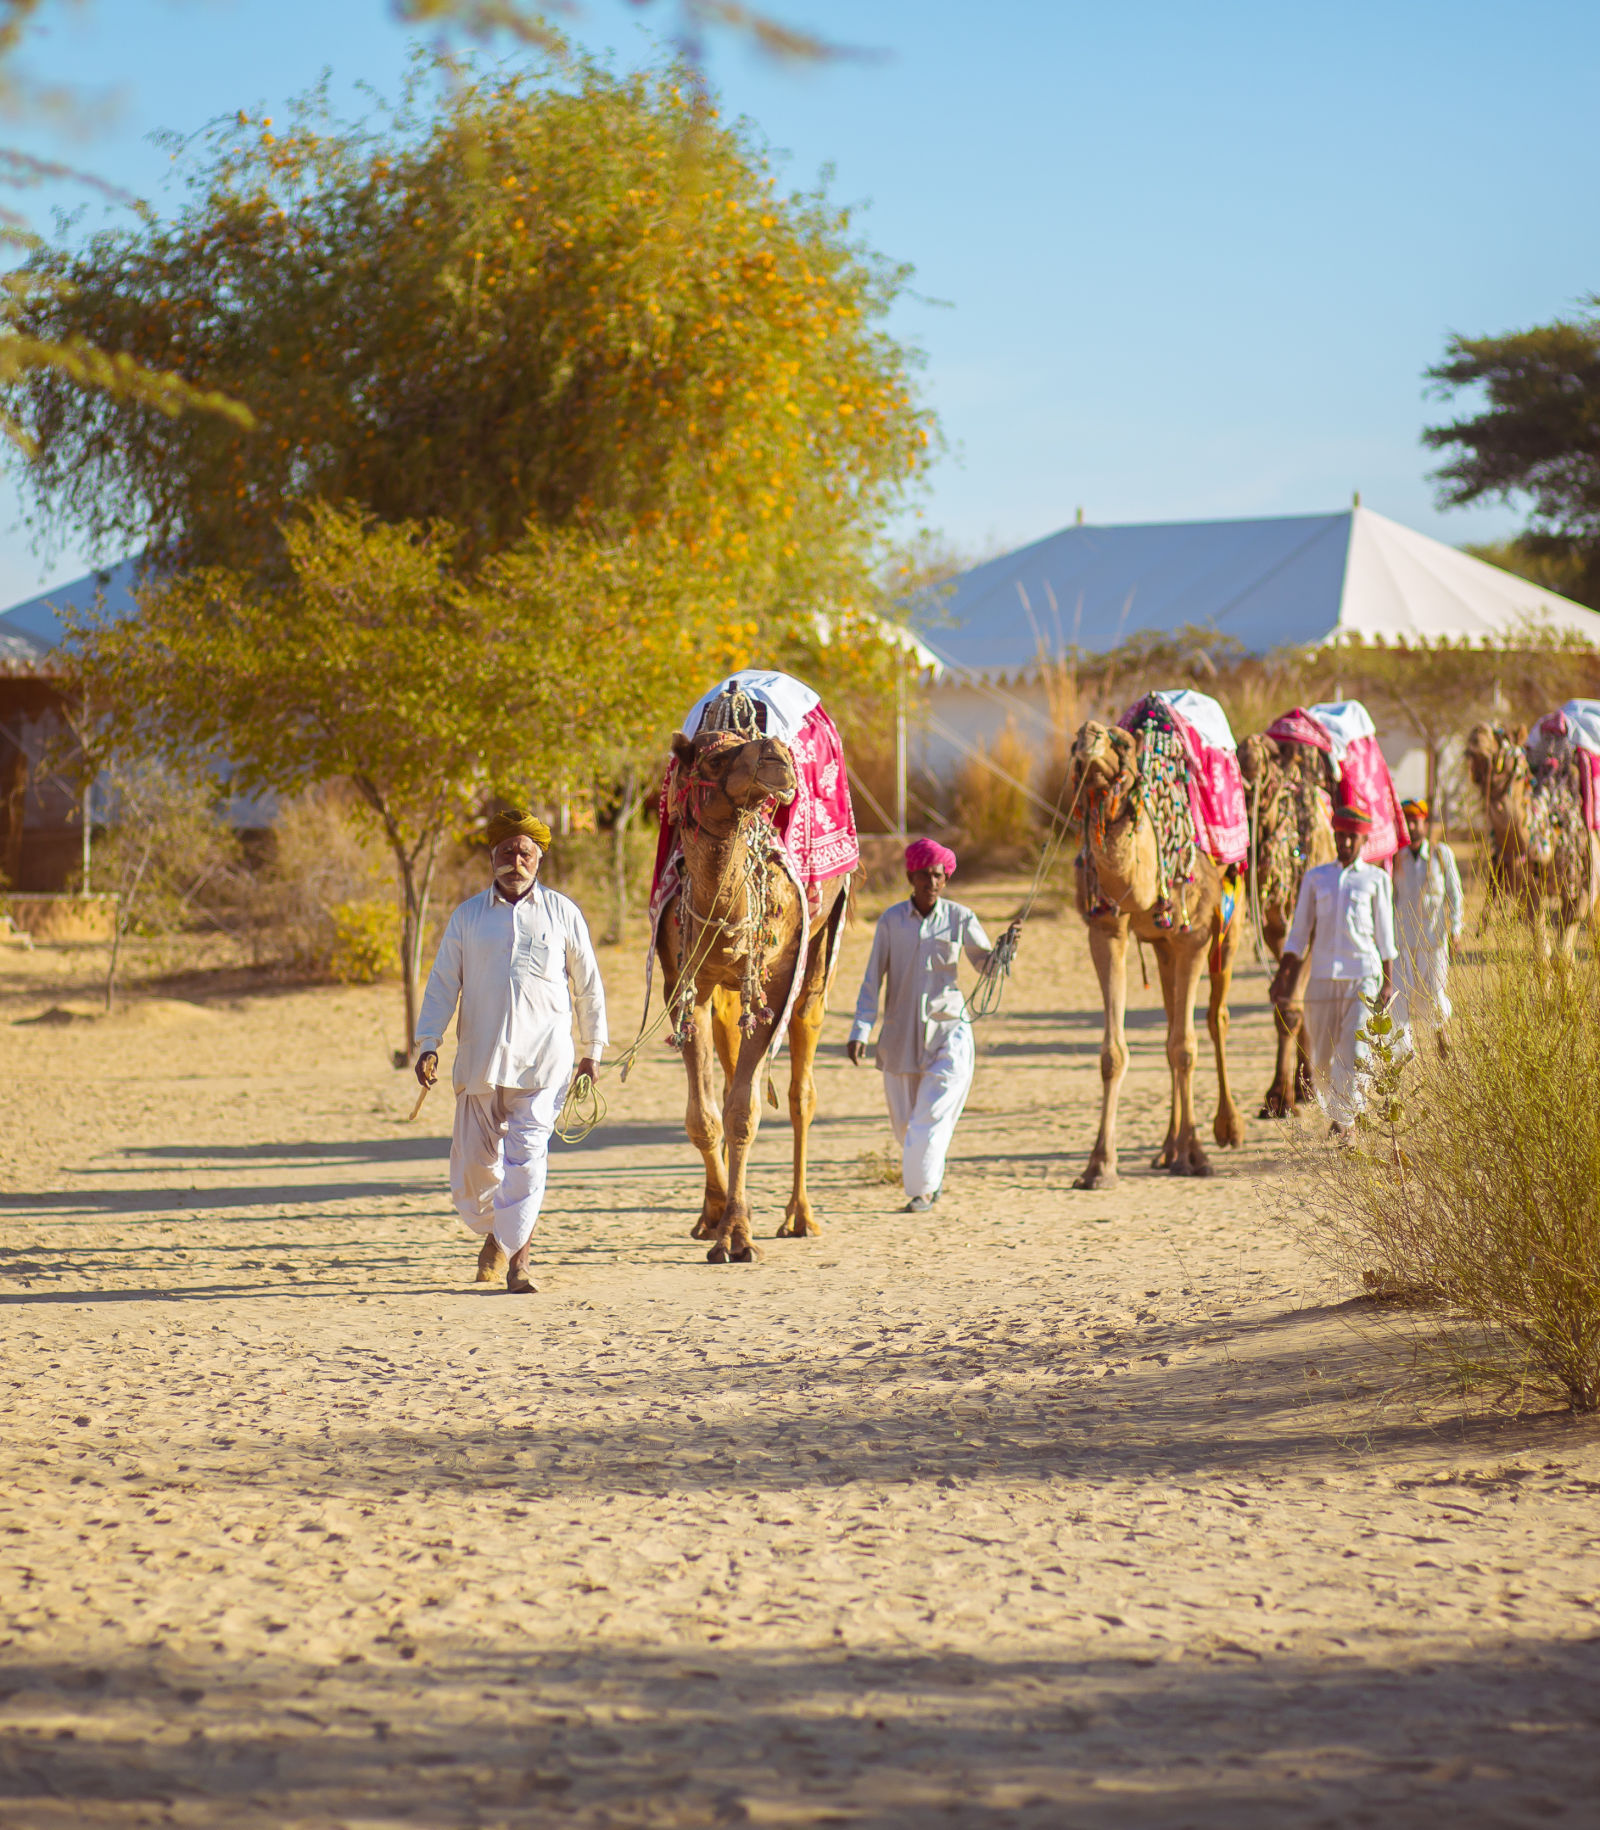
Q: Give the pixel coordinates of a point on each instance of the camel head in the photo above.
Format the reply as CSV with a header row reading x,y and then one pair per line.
x,y
1261,762
1104,767
724,774
1498,765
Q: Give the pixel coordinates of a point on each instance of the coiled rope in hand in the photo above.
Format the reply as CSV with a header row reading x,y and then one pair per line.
x,y
583,1109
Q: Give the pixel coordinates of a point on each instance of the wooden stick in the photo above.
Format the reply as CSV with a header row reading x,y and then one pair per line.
x,y
418,1106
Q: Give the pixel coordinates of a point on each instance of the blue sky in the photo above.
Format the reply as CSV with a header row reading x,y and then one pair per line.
x,y
1173,261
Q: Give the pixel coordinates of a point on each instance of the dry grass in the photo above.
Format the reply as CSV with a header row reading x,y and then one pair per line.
x,y
991,811
1472,1189
879,1167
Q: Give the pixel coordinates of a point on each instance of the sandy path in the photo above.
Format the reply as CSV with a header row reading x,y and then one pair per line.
x,y
1047,1509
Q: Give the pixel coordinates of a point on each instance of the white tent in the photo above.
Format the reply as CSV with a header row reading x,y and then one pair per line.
x,y
1300,580
1296,579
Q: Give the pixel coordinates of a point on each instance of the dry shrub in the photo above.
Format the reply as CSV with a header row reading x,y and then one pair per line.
x,y
880,1167
991,810
1472,1186
327,856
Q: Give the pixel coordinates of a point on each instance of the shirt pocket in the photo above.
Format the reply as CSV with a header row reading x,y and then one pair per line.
x,y
533,956
941,957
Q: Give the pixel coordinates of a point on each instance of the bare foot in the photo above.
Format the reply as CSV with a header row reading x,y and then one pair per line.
x,y
491,1261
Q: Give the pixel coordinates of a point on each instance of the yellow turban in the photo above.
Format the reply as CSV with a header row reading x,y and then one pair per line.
x,y
509,823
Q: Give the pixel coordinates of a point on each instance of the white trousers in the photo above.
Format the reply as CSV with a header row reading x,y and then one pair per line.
x,y
1335,1011
923,1109
498,1157
1419,987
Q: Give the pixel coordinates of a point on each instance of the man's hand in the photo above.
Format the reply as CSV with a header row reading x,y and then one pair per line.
x,y
857,1051
588,1065
427,1068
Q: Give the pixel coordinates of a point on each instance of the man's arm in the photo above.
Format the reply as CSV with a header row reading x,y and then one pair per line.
x,y
1383,934
976,942
867,997
1296,945
439,1002
1453,899
588,995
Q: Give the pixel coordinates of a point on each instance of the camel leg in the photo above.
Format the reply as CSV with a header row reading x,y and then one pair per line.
x,y
1109,951
1227,1127
741,1120
1189,1157
805,1031
703,1122
725,1029
1168,1153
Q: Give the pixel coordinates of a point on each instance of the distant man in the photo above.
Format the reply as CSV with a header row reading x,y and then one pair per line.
x,y
1344,918
925,1049
506,958
1428,915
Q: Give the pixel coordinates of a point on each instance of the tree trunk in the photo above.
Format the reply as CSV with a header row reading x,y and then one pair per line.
x,y
626,809
121,914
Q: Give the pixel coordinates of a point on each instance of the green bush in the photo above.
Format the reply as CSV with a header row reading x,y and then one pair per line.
x,y
366,942
1471,1186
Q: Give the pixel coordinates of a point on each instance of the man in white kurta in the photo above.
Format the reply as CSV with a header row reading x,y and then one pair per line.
x,y
1428,917
925,1047
1344,918
507,959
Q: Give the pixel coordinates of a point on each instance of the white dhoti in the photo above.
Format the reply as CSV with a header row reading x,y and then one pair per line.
x,y
1335,1011
498,1157
924,1108
1420,977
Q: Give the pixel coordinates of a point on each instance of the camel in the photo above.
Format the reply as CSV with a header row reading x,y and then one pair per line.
x,y
1118,893
730,942
1539,846
1289,833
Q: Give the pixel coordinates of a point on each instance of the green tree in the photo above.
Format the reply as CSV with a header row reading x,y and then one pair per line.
x,y
371,663
1537,436
566,297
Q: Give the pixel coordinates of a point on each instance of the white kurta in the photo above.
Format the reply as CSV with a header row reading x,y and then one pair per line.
x,y
925,1048
1344,919
508,966
1428,914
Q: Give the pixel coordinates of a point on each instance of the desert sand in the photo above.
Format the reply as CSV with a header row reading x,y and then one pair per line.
x,y
1046,1508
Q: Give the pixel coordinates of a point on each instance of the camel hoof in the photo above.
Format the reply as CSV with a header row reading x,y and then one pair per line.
x,y
785,1231
748,1254
702,1229
1096,1177
717,1255
1201,1168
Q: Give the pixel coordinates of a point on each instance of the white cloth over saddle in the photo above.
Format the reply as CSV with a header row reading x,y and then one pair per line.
x,y
789,702
1207,717
1346,721
1583,724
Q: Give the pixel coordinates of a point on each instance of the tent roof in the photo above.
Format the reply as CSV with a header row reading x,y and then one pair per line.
x,y
37,617
1291,580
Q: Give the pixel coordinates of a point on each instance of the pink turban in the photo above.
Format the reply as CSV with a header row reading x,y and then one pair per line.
x,y
930,855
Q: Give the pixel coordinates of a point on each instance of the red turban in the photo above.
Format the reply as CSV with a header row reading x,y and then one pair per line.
x,y
930,855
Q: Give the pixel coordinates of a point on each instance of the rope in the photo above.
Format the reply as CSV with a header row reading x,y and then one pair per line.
x,y
583,1109
1255,866
986,994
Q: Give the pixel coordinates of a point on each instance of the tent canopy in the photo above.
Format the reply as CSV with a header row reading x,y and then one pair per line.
x,y
1292,580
